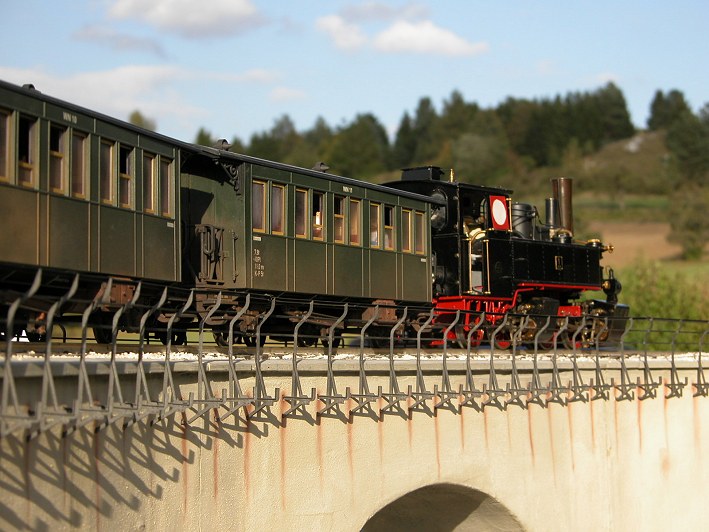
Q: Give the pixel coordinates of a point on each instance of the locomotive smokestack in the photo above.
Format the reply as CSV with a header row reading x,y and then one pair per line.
x,y
562,192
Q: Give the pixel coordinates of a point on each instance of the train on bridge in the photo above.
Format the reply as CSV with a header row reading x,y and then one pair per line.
x,y
201,233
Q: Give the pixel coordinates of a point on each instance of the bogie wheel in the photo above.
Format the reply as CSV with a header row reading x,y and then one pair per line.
x,y
325,340
221,337
36,337
177,337
103,327
306,341
250,341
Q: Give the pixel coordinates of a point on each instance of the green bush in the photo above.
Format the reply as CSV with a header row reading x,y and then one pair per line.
x,y
652,289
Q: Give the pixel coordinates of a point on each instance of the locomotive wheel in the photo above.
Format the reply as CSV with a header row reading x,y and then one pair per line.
x,y
502,342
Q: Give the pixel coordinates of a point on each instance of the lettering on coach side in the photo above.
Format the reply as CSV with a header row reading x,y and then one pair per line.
x,y
349,190
259,267
69,117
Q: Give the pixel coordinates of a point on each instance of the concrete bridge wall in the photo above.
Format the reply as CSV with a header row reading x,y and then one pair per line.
x,y
589,465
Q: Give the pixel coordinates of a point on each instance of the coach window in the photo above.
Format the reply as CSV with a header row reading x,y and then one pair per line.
x,y
57,156
388,227
406,231
355,223
277,209
149,183
420,233
26,147
301,213
318,215
167,185
258,206
78,165
106,172
125,174
4,128
374,225
339,219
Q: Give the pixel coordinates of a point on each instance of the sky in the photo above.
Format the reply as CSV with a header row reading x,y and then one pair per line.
x,y
234,67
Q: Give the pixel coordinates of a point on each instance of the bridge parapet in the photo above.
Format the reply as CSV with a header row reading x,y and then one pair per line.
x,y
296,437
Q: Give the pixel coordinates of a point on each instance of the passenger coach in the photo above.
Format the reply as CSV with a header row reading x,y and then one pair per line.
x,y
82,192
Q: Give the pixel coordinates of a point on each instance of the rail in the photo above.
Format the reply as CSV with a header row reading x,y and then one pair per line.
x,y
46,330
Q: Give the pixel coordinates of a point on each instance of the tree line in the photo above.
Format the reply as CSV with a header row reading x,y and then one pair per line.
x,y
483,145
508,145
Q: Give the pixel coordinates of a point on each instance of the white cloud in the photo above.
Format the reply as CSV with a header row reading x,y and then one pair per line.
x,y
284,94
425,37
118,41
211,18
116,92
258,75
345,35
379,11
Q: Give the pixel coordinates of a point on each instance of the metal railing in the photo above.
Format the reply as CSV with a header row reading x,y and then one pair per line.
x,y
46,325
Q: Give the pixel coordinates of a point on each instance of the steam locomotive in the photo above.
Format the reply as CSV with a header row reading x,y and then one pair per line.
x,y
494,258
124,218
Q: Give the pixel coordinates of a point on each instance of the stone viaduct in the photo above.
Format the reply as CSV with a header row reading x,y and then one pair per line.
x,y
548,444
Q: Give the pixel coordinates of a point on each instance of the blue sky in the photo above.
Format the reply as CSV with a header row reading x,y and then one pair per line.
x,y
235,66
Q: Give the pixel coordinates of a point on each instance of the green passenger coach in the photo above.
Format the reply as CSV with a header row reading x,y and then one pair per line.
x,y
81,192
276,228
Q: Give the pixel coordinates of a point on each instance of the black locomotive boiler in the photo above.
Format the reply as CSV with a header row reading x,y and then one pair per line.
x,y
499,258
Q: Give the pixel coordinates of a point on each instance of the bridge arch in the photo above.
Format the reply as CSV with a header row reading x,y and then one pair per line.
x,y
443,507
